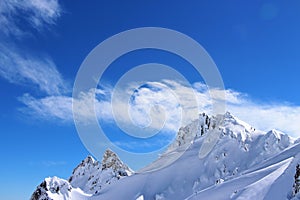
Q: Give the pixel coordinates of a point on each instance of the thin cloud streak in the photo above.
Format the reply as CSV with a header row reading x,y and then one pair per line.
x,y
22,69
38,13
50,107
19,66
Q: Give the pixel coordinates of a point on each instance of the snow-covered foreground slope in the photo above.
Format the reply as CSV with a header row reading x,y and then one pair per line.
x,y
243,164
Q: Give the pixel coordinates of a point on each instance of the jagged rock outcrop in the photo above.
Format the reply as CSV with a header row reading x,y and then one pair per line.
x,y
88,178
51,188
187,134
296,186
112,161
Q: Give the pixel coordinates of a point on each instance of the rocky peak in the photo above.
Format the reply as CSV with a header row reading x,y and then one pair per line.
x,y
52,187
86,167
110,160
89,159
41,192
224,124
92,176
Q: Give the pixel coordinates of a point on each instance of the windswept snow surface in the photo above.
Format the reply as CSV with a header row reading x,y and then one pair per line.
x,y
244,163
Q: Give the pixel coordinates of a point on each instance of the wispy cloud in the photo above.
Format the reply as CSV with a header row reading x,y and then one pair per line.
x,y
50,107
38,13
20,68
172,100
59,107
264,116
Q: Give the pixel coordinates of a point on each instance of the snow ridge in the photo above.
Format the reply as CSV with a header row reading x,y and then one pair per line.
x,y
244,160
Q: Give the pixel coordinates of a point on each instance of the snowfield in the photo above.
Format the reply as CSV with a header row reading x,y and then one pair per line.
x,y
243,164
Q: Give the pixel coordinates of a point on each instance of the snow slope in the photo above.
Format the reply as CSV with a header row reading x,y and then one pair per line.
x,y
244,163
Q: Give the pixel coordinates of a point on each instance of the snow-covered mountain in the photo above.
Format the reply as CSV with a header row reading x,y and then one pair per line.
x,y
91,176
88,178
243,163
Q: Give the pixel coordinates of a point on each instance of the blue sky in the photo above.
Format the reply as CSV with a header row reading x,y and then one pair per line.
x,y
255,45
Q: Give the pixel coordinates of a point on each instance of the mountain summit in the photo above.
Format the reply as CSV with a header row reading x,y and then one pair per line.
x,y
112,161
243,163
88,178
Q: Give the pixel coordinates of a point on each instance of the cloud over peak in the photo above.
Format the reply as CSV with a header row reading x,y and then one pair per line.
x,y
263,116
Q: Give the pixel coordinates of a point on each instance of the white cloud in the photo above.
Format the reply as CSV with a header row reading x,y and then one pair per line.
x,y
154,106
59,107
86,102
17,65
37,13
170,97
18,68
283,117
50,107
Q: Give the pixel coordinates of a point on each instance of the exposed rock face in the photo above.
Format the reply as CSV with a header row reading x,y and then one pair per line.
x,y
112,161
88,178
187,134
41,192
296,186
51,188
